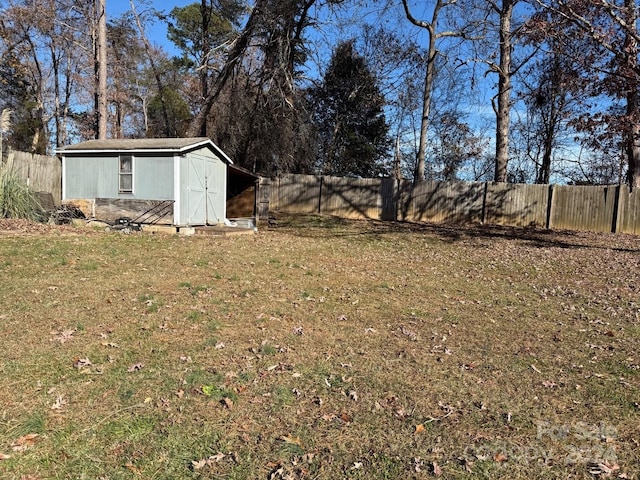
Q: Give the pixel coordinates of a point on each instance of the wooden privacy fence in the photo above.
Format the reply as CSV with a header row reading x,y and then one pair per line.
x,y
611,208
42,173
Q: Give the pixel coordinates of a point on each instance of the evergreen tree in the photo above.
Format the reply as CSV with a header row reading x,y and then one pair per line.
x,y
348,116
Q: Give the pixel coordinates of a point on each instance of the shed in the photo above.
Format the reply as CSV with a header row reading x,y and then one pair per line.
x,y
167,181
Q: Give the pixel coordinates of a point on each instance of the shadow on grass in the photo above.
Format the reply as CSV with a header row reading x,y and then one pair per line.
x,y
327,226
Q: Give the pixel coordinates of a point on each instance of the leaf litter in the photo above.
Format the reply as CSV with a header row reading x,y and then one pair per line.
x,y
515,298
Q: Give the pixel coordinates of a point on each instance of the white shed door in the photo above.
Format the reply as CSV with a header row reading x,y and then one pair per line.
x,y
196,191
215,200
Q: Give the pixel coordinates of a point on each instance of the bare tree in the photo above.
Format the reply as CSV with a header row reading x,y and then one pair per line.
x,y
607,35
550,94
431,26
168,131
48,40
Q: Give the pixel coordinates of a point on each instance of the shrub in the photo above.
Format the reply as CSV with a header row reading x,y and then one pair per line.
x,y
16,198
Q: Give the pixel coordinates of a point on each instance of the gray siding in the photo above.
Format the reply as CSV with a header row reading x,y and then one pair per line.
x,y
97,177
153,178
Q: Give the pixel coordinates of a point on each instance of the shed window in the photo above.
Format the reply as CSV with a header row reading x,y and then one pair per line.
x,y
126,174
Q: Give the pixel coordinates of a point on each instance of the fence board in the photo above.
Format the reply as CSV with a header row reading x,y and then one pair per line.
x,y
299,193
355,198
629,211
42,173
589,208
454,202
517,205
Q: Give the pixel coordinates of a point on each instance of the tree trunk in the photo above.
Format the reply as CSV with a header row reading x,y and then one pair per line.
x,y
430,27
426,107
544,174
633,98
504,93
101,70
633,138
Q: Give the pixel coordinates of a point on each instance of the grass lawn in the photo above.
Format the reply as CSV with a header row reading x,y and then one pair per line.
x,y
319,349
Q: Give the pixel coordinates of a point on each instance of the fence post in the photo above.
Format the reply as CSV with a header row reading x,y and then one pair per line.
x,y
615,225
549,207
483,217
396,198
320,194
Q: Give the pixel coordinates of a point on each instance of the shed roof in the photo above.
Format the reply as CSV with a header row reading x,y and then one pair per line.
x,y
144,145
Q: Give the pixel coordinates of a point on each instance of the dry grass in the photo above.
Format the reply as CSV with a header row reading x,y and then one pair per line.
x,y
320,348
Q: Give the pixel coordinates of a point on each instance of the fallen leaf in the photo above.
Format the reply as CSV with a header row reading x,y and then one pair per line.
x,y
25,442
346,418
437,471
81,363
292,440
59,403
130,466
604,469
208,462
413,336
500,457
549,384
419,429
4,456
401,412
63,335
217,457
135,367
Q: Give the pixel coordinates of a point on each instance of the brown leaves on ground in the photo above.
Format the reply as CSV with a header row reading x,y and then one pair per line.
x,y
603,469
135,367
480,333
81,363
63,336
208,462
292,440
25,442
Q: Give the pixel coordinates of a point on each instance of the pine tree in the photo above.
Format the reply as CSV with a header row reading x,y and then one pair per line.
x,y
349,118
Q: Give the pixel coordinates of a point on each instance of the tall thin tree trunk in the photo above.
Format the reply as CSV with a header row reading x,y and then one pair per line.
x,y
633,98
101,70
205,13
504,93
430,27
426,108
